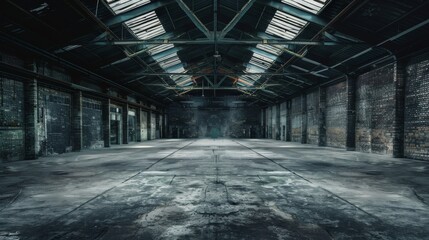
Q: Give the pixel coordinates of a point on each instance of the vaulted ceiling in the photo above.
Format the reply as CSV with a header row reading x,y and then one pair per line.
x,y
266,50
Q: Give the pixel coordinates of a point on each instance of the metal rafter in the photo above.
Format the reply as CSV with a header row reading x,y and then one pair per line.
x,y
194,18
236,18
224,41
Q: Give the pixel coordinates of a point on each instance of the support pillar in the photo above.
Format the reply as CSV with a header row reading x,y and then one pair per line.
x,y
264,123
304,118
322,116
399,121
30,110
125,124
77,121
106,122
164,126
139,125
278,127
149,125
288,121
351,114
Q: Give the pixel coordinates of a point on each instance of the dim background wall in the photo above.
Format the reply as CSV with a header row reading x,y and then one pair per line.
x,y
213,122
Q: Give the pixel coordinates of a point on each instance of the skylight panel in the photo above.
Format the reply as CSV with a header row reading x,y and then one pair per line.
x,y
164,58
268,48
160,48
175,69
254,69
285,25
170,62
119,6
244,82
313,6
253,77
186,81
263,58
146,26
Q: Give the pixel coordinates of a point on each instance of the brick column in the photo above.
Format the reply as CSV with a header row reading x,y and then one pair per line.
x,y
398,123
30,110
149,125
263,124
77,140
322,116
288,121
125,124
164,125
351,114
139,125
106,122
304,118
278,127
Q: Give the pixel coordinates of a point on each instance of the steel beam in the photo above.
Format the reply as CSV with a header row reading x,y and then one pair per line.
x,y
223,41
123,17
213,88
236,18
194,18
212,74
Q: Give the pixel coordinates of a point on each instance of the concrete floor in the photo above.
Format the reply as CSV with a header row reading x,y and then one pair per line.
x,y
215,189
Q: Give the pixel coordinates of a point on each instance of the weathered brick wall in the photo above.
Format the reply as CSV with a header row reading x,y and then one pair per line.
x,y
296,118
92,124
336,114
313,117
375,105
54,121
417,109
11,120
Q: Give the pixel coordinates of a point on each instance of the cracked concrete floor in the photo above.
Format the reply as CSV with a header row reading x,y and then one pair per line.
x,y
215,189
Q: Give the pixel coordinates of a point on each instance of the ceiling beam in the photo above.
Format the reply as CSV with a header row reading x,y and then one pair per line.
x,y
223,41
236,18
211,74
194,18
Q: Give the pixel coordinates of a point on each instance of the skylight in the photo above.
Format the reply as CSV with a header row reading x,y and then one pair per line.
x,y
282,25
148,26
119,6
313,6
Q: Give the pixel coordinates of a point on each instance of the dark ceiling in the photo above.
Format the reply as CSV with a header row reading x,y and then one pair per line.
x,y
344,37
